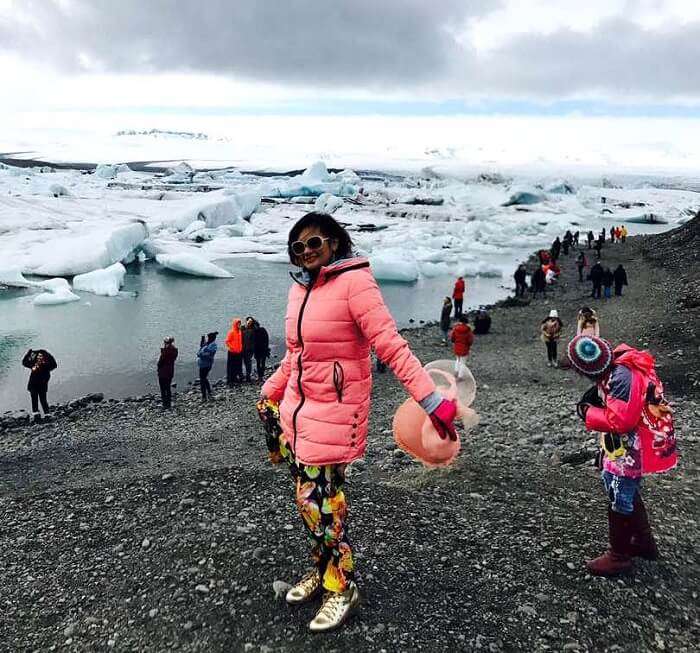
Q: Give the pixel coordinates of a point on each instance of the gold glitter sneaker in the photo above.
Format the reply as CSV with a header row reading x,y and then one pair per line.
x,y
306,589
336,609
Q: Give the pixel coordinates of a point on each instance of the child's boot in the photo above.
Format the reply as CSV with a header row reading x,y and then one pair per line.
x,y
642,544
616,560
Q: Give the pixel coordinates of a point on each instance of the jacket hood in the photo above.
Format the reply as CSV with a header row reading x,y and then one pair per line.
x,y
634,359
337,267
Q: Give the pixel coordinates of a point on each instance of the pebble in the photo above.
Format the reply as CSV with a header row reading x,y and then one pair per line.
x,y
202,589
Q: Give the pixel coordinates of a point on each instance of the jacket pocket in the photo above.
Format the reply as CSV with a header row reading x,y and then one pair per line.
x,y
338,380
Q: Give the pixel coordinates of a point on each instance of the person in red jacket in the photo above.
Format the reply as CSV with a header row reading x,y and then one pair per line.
x,y
628,408
462,339
458,296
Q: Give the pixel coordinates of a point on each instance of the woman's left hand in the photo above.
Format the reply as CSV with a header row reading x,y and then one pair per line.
x,y
443,419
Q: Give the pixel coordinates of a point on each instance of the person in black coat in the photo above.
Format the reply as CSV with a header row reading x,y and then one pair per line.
x,y
539,281
520,286
166,370
596,277
41,364
556,249
261,348
620,278
446,318
482,322
590,238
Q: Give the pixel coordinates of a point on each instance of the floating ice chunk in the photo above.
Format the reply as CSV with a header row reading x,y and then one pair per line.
x,y
58,291
106,171
561,188
187,263
194,229
68,256
58,191
105,282
348,176
327,203
240,246
302,199
53,298
525,196
219,208
182,169
280,257
394,265
479,269
645,218
434,269
317,172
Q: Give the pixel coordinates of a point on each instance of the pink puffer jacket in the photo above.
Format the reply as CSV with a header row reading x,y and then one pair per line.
x,y
325,378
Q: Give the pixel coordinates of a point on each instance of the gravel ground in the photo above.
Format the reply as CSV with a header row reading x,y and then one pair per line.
x,y
128,528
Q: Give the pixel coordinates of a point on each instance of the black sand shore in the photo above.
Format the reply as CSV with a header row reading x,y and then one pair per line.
x,y
125,528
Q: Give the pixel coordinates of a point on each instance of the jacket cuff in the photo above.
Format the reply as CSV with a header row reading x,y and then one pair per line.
x,y
595,419
431,402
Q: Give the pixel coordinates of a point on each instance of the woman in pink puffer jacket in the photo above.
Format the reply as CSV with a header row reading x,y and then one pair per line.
x,y
335,314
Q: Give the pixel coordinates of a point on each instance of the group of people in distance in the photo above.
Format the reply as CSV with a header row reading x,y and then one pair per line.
x,y
244,343
547,272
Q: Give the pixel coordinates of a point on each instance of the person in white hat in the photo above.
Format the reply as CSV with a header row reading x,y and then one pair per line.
x,y
550,332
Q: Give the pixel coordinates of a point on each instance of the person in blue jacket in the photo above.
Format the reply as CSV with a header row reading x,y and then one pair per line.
x,y
205,360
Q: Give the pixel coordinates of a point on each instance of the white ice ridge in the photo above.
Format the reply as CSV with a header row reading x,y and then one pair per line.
x,y
314,181
192,264
107,281
77,254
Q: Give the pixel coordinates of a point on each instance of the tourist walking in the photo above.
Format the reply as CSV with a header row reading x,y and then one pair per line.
x,y
234,359
324,391
590,238
166,370
550,332
620,279
555,250
596,277
587,323
577,235
520,276
623,233
248,333
458,296
205,361
581,264
261,349
608,280
599,246
539,282
626,406
462,339
445,318
41,363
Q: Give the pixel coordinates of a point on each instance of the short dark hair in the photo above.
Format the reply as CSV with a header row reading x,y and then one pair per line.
x,y
328,226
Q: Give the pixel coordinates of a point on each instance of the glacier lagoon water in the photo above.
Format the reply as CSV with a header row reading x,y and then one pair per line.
x,y
111,344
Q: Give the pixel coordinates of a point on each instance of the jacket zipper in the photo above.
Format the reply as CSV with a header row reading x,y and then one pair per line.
x,y
301,353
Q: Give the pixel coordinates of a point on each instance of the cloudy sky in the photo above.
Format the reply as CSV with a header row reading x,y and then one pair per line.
x,y
414,57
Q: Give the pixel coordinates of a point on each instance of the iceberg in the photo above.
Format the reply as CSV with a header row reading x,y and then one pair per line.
x,y
107,281
314,181
191,264
521,197
218,209
14,278
394,265
479,269
67,257
57,190
327,203
58,291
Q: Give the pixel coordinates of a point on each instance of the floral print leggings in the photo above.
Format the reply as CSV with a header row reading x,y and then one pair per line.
x,y
323,509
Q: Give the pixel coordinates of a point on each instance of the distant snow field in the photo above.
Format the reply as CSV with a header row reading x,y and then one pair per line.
x,y
87,225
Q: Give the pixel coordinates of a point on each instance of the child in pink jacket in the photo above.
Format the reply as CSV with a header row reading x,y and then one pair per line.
x,y
335,315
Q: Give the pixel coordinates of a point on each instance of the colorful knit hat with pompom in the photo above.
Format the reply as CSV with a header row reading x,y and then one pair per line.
x,y
590,356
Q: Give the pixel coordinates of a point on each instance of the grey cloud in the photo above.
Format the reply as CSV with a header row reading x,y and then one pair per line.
x,y
618,59
364,43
